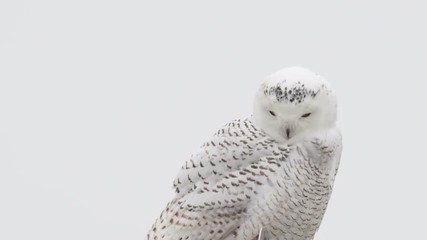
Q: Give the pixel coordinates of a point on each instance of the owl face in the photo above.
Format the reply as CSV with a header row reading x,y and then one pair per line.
x,y
294,104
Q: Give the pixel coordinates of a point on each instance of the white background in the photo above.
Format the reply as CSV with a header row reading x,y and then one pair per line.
x,y
102,101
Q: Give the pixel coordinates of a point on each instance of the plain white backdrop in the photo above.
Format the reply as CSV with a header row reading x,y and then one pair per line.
x,y
102,101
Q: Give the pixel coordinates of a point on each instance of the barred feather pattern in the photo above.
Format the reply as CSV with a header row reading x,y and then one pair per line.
x,y
242,180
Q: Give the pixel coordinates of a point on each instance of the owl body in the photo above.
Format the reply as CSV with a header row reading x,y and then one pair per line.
x,y
274,170
282,188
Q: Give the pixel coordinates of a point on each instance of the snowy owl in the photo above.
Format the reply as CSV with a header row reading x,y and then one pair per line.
x,y
274,170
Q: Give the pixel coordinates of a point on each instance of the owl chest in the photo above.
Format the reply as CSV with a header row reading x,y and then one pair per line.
x,y
296,203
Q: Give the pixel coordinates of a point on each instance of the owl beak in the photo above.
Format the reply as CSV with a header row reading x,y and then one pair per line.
x,y
287,131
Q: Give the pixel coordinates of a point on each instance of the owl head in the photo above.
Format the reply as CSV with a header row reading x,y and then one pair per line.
x,y
294,104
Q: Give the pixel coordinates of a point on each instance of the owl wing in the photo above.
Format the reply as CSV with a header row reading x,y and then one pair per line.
x,y
215,210
234,146
215,185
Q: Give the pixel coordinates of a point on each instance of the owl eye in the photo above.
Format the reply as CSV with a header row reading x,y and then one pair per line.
x,y
272,113
306,115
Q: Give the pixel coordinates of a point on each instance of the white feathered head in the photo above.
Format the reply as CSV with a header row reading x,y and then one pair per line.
x,y
293,104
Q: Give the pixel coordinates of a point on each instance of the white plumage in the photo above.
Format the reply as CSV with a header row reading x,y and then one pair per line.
x,y
274,170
